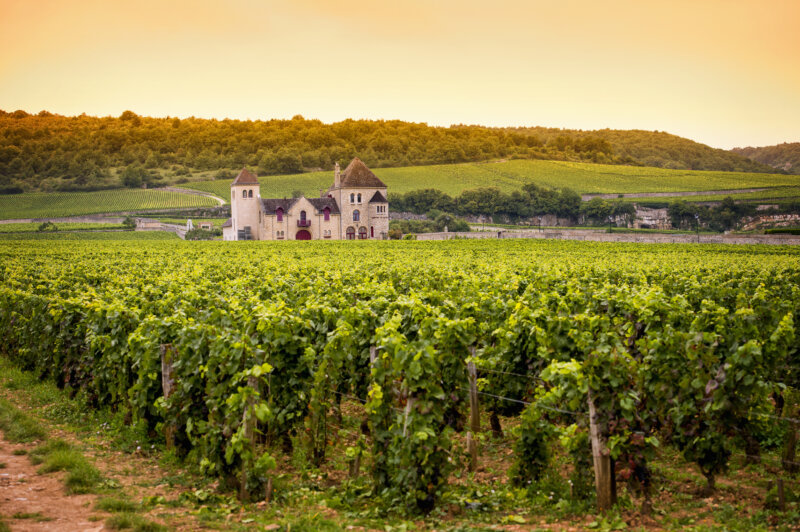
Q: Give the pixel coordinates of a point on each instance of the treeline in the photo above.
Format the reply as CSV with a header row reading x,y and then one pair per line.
x,y
52,152
725,216
437,222
785,157
526,204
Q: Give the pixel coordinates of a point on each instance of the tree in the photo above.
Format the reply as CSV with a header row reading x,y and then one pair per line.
x,y
133,176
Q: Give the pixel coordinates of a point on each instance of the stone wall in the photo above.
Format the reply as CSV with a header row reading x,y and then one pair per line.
x,y
599,236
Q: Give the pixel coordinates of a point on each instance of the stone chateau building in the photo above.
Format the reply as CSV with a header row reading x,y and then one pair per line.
x,y
354,207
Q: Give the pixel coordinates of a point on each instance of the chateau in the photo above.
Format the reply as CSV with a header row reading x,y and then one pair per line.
x,y
354,207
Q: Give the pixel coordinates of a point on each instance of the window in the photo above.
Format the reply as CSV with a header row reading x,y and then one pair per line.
x,y
244,194
351,233
327,233
356,216
372,232
352,198
249,193
327,213
302,216
279,214
362,233
359,198
279,235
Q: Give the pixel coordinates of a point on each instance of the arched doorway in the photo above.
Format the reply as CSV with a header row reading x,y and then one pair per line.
x,y
351,233
303,235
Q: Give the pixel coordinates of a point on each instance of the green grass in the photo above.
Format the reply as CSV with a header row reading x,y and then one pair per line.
x,y
92,235
56,455
42,205
17,426
137,523
511,175
33,227
35,516
113,505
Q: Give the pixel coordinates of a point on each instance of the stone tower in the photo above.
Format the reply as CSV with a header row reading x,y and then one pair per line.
x,y
245,206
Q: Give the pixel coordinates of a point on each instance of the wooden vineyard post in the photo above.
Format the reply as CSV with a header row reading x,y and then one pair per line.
x,y
373,355
249,421
788,457
781,495
603,472
167,384
474,414
355,465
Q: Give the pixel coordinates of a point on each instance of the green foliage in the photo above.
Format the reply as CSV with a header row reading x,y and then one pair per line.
x,y
669,344
725,216
532,448
52,152
785,157
47,226
202,234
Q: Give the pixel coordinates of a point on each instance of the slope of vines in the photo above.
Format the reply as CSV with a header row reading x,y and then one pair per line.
x,y
684,345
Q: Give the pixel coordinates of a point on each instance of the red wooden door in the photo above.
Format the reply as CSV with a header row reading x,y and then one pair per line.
x,y
303,235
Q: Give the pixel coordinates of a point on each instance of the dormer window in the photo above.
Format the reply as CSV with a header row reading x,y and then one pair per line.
x,y
279,214
356,216
302,216
326,212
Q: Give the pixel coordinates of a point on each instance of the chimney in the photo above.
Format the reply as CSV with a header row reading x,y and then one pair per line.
x,y
337,179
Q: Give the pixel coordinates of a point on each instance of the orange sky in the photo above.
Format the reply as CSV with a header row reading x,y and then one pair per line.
x,y
723,72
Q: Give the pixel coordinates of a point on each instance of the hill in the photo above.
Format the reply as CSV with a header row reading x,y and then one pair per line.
x,y
509,176
784,156
47,152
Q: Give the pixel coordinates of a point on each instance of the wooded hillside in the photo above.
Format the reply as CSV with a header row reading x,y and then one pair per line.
x,y
784,156
50,152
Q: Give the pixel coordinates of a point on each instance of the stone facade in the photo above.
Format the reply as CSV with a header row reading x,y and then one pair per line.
x,y
353,208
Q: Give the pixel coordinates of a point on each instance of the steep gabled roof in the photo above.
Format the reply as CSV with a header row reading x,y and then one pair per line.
x,y
228,223
245,178
358,175
321,203
378,198
271,205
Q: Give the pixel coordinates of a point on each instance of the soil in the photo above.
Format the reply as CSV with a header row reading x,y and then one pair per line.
x,y
23,491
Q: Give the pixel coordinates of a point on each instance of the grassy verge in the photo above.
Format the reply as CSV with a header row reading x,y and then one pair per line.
x,y
18,427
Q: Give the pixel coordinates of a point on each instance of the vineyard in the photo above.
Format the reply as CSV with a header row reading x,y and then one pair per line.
x,y
512,175
595,360
58,204
32,227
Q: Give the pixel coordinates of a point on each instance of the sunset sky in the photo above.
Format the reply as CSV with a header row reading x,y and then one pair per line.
x,y
722,72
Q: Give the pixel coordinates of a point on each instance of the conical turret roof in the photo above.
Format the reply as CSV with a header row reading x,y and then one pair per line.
x,y
358,175
245,178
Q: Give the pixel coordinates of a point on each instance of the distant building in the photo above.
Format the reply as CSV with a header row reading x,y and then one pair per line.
x,y
354,207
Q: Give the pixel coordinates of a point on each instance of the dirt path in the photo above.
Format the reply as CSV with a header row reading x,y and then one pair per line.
x,y
42,497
